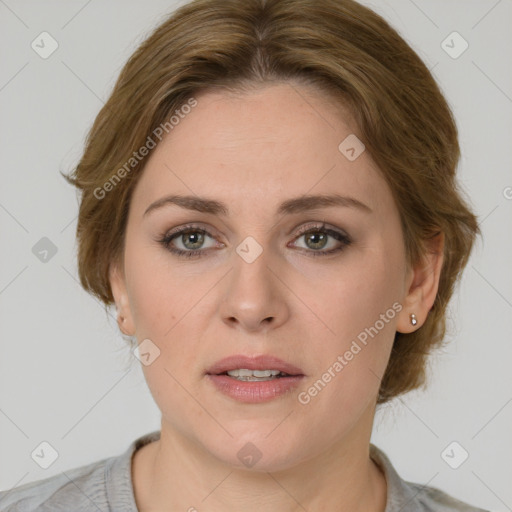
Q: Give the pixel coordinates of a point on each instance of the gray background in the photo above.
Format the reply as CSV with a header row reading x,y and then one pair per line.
x,y
64,376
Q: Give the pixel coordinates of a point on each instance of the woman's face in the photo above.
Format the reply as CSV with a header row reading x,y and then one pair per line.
x,y
264,278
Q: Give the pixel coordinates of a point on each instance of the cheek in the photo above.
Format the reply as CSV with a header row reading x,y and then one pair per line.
x,y
155,294
358,313
166,304
353,295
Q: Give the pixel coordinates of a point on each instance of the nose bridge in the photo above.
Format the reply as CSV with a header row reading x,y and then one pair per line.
x,y
251,262
254,296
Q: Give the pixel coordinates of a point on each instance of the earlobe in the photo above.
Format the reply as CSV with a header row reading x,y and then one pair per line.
x,y
422,286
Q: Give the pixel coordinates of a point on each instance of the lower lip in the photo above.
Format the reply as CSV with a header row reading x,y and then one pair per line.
x,y
252,391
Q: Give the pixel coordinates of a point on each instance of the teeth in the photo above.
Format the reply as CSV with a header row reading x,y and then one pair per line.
x,y
243,373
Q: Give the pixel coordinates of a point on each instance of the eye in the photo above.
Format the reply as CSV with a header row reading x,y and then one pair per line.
x,y
190,238
317,240
189,241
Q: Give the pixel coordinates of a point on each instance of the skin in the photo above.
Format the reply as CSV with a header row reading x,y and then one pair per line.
x,y
252,151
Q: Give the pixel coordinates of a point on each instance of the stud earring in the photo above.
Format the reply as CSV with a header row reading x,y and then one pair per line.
x,y
414,321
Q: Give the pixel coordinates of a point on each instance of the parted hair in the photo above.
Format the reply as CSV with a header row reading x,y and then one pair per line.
x,y
343,49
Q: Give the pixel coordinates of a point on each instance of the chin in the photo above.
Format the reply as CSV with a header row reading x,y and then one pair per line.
x,y
259,451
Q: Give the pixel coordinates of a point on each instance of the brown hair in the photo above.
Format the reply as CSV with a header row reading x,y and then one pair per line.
x,y
342,48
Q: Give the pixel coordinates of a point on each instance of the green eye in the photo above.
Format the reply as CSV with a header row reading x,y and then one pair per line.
x,y
192,240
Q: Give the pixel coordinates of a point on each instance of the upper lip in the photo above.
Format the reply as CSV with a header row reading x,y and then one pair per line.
x,y
256,362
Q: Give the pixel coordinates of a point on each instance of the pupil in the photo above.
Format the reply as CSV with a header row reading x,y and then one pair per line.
x,y
321,236
197,243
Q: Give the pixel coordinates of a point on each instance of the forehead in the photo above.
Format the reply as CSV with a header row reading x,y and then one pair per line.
x,y
261,147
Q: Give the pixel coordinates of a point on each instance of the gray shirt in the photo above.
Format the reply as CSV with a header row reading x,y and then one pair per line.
x,y
106,486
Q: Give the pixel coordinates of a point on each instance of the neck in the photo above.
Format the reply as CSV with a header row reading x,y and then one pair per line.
x,y
175,473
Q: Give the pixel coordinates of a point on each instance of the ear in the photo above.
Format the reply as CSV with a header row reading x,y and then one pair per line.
x,y
118,286
422,283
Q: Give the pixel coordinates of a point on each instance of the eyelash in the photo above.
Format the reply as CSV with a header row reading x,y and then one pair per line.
x,y
304,230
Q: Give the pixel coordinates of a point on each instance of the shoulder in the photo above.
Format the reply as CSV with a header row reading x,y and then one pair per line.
x,y
433,499
413,497
76,489
103,485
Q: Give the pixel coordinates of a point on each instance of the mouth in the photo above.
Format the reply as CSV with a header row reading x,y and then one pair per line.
x,y
244,374
254,379
255,368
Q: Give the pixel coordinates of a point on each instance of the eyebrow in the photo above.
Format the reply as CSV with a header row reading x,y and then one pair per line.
x,y
290,206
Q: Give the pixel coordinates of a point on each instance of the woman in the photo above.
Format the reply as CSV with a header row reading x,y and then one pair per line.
x,y
269,199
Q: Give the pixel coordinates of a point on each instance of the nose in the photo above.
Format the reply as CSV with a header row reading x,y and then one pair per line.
x,y
255,297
